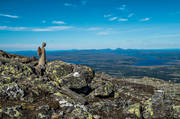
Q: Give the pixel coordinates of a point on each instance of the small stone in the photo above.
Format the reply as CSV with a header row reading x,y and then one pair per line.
x,y
76,74
96,117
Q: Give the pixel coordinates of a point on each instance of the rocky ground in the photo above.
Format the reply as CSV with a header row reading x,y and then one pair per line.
x,y
68,91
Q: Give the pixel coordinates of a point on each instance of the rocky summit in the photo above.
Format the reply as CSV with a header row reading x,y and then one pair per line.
x,y
67,91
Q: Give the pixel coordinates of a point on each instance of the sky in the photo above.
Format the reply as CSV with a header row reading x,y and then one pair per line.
x,y
89,24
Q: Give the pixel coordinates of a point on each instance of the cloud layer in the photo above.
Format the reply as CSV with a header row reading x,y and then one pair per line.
x,y
50,28
145,19
123,7
58,22
9,16
122,19
113,18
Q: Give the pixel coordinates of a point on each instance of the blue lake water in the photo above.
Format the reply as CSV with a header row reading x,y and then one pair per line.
x,y
150,61
77,62
146,60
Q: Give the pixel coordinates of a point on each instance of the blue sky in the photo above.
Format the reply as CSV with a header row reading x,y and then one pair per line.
x,y
89,24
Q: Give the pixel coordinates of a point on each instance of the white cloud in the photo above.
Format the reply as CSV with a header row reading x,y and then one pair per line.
x,y
58,22
13,28
84,2
123,7
145,19
108,15
51,28
9,16
44,21
68,4
130,15
166,36
122,19
113,18
94,28
103,33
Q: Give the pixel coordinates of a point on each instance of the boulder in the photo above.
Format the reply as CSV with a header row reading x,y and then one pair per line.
x,y
11,91
134,109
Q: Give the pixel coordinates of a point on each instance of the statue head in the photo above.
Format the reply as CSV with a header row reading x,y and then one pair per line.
x,y
43,44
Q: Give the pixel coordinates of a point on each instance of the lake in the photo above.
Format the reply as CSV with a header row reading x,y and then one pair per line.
x,y
151,61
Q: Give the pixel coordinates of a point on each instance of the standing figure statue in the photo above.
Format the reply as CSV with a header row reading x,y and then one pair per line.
x,y
42,53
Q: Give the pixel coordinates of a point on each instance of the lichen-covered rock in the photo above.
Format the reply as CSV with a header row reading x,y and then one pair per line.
x,y
15,69
158,106
57,69
78,112
148,109
134,109
43,107
176,111
12,112
72,76
43,116
103,106
105,90
171,89
11,91
49,87
99,80
79,78
71,107
68,91
74,82
68,102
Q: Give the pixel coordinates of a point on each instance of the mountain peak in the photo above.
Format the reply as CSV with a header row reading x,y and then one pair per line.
x,y
65,90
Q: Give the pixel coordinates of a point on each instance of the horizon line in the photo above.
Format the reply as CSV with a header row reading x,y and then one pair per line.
x,y
93,49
